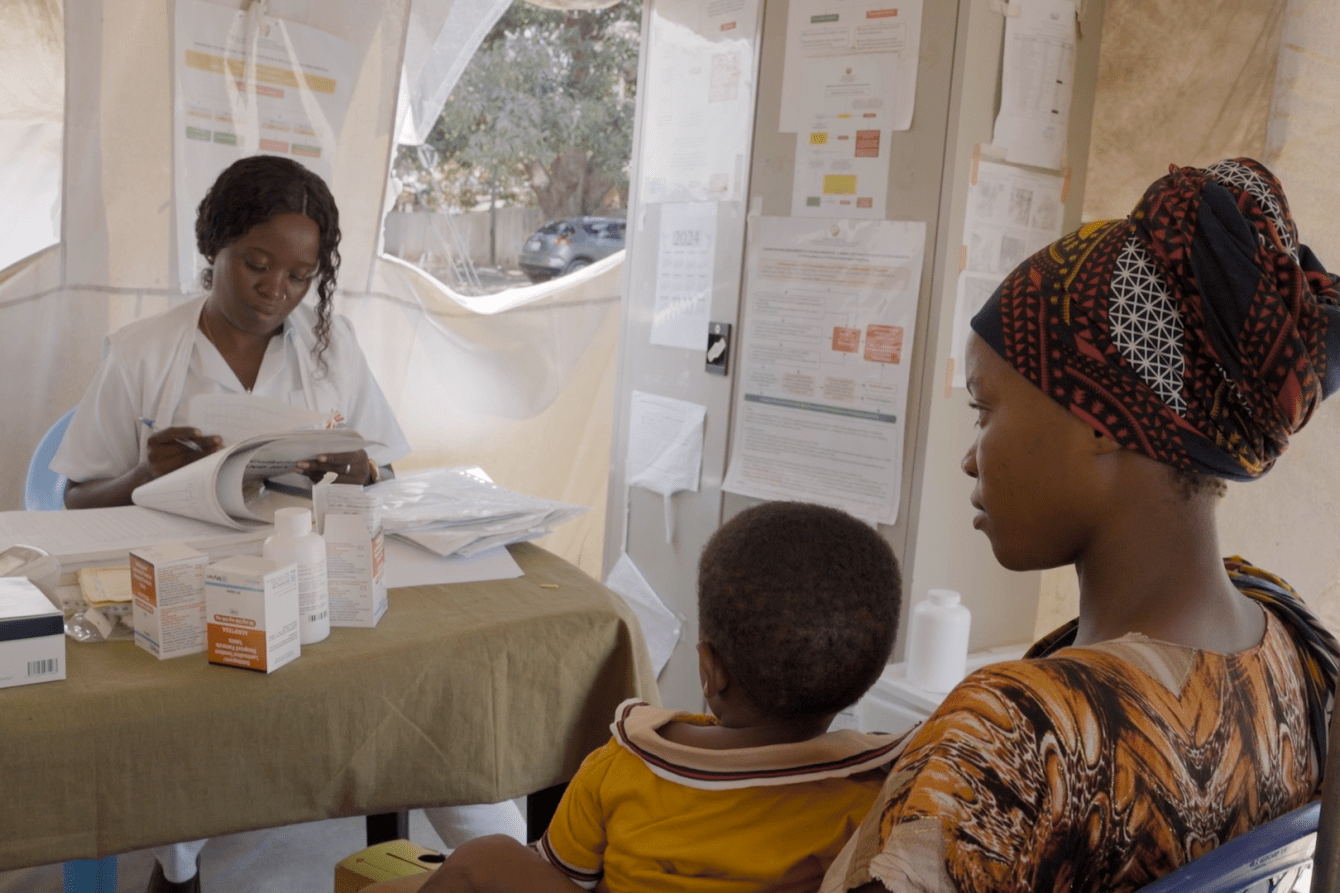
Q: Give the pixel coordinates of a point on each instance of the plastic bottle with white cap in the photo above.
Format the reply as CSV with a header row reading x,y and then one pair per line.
x,y
294,542
937,641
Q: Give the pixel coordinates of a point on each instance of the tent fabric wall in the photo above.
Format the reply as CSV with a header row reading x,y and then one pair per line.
x,y
1191,84
31,91
518,384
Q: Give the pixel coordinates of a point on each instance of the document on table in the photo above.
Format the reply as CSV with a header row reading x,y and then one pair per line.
x,y
86,535
228,487
1012,213
829,318
1037,80
408,565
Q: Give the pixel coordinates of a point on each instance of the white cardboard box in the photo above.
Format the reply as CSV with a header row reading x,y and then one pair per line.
x,y
168,584
251,605
351,525
32,635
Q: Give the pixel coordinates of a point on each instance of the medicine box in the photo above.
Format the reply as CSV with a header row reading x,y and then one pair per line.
x,y
355,554
252,608
32,635
167,584
392,859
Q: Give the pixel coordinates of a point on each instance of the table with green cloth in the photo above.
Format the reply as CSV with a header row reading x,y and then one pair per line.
x,y
463,693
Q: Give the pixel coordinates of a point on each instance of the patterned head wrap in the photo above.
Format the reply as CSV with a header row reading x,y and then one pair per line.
x,y
1197,331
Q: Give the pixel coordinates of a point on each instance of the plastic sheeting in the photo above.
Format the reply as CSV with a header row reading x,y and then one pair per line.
x,y
31,106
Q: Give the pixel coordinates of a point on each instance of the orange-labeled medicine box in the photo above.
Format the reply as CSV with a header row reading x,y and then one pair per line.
x,y
168,585
251,608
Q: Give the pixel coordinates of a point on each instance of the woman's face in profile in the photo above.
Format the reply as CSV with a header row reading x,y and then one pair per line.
x,y
1038,494
260,278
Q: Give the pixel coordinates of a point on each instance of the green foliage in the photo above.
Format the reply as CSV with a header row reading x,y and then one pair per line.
x,y
545,109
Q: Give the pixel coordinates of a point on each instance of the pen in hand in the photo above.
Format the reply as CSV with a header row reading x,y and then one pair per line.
x,y
184,441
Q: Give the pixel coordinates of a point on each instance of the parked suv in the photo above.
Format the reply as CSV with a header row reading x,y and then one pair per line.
x,y
569,244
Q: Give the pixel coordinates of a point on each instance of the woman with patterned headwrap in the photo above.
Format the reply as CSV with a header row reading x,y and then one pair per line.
x,y
1119,375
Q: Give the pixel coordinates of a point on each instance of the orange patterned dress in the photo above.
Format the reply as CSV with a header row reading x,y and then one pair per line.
x,y
1101,768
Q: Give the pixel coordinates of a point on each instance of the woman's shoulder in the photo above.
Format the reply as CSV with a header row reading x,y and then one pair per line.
x,y
149,331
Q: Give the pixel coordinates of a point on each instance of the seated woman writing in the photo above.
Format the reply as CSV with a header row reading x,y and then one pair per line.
x,y
1118,376
269,229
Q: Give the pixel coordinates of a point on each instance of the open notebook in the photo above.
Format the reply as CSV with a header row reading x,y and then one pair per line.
x,y
229,487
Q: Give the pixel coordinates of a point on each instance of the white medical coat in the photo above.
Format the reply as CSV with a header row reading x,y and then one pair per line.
x,y
152,366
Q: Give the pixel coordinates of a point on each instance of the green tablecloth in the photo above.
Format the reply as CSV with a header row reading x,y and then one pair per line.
x,y
464,693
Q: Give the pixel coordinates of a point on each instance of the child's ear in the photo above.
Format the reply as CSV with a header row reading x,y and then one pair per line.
x,y
712,671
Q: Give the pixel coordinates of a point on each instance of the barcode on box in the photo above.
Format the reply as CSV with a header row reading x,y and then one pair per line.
x,y
43,667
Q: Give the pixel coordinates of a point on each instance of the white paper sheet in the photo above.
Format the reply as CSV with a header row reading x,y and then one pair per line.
x,y
247,82
850,60
665,443
699,100
408,565
1012,213
684,274
86,535
660,627
236,417
1037,79
830,313
665,448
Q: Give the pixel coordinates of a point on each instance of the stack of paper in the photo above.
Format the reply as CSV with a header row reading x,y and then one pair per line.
x,y
460,511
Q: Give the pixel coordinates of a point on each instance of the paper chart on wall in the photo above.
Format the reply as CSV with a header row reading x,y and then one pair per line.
x,y
850,60
830,312
665,448
684,274
1011,214
699,100
249,83
1037,80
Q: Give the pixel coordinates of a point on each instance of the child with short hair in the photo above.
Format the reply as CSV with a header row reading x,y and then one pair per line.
x,y
798,609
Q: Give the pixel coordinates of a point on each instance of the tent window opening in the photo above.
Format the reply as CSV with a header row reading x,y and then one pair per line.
x,y
521,174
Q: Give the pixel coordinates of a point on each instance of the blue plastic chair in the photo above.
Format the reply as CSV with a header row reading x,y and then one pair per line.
x,y
1268,859
44,491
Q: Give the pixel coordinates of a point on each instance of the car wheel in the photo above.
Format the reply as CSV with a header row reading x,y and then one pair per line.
x,y
576,264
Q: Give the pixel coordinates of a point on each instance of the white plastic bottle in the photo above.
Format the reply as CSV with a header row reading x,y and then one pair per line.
x,y
937,641
294,542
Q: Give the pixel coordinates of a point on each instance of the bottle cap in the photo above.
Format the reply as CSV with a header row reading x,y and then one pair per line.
x,y
295,521
942,597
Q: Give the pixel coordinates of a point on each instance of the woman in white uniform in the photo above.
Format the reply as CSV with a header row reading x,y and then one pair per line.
x,y
269,229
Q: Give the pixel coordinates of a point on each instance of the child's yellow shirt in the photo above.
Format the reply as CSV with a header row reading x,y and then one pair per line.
x,y
646,814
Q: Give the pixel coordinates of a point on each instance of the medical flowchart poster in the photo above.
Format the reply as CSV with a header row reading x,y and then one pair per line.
x,y
829,315
850,75
247,83
699,100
